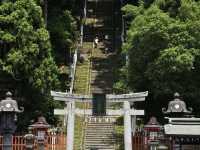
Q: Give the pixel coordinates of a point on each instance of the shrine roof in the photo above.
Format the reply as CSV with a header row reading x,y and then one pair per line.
x,y
41,123
184,121
177,130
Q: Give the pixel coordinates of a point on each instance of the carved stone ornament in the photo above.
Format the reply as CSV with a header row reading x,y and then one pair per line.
x,y
9,105
176,106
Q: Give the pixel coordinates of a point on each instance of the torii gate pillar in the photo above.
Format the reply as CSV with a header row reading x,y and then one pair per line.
x,y
127,126
70,125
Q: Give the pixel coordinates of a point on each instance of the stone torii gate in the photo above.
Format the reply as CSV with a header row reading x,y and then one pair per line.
x,y
127,112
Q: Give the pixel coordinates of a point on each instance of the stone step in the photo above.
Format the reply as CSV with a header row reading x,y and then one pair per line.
x,y
79,81
99,130
101,133
100,138
101,141
102,121
101,149
100,127
99,144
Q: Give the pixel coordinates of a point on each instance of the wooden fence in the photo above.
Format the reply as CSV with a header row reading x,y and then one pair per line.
x,y
58,142
141,142
52,142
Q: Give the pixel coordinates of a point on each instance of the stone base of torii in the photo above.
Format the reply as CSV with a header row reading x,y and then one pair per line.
x,y
127,112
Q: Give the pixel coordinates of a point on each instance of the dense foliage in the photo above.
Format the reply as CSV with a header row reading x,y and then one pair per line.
x,y
62,27
26,55
164,50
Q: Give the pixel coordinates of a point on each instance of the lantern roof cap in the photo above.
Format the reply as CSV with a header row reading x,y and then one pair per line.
x,y
177,106
9,105
41,123
153,123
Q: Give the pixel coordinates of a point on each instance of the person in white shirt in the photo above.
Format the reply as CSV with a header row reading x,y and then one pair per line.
x,y
95,43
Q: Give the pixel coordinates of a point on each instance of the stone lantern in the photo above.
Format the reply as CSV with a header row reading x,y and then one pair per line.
x,y
153,133
8,118
40,130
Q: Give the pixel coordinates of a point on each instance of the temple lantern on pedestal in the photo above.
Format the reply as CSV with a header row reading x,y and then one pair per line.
x,y
40,130
153,132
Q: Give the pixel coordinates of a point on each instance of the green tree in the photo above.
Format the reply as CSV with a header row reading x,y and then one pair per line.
x,y
163,48
26,54
62,28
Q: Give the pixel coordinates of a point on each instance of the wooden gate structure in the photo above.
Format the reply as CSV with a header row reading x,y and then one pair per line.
x,y
53,142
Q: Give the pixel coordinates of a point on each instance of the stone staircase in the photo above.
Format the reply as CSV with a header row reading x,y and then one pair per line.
x,y
99,134
102,71
101,22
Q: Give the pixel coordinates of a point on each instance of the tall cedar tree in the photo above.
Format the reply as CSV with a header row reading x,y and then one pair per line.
x,y
26,56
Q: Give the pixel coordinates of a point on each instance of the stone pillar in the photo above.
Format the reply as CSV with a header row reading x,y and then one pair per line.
x,y
70,125
133,121
127,126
